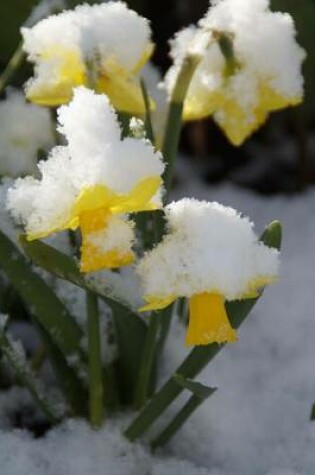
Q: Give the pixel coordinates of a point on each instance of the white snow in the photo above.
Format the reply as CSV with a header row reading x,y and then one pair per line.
x,y
25,128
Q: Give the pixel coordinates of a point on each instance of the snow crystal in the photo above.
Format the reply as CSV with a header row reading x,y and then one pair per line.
x,y
25,128
208,247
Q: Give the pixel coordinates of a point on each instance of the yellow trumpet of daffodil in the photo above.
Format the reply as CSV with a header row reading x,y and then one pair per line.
x,y
91,184
210,255
108,41
250,65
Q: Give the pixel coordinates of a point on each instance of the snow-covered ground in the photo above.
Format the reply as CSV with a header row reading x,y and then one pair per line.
x,y
257,423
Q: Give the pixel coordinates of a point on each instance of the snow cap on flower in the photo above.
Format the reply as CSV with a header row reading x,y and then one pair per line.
x,y
109,38
210,254
95,176
267,66
25,129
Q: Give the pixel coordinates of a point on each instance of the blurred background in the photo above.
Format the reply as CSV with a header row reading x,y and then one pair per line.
x,y
279,158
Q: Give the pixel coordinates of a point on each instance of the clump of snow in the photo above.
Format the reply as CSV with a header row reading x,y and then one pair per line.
x,y
208,248
25,128
118,234
102,33
94,155
75,448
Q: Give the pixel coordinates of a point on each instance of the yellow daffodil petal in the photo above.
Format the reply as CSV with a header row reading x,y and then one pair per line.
x,y
271,100
146,55
201,104
256,285
208,320
67,72
92,259
124,92
235,122
157,303
139,198
122,87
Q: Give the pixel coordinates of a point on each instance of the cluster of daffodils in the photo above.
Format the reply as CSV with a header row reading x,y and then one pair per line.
x,y
209,255
247,65
105,45
25,129
250,65
91,183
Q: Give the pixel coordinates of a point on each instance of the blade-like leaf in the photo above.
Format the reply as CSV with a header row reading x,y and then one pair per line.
x,y
60,332
43,304
200,356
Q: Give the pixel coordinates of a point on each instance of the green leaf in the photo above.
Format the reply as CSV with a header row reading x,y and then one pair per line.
x,y
60,331
43,304
16,358
199,390
200,356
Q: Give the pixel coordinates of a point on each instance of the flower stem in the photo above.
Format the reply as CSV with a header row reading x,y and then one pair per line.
x,y
147,361
95,364
13,65
174,119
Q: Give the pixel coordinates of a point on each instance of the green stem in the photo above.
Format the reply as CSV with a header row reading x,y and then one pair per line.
x,y
95,362
13,65
179,420
148,119
147,361
174,119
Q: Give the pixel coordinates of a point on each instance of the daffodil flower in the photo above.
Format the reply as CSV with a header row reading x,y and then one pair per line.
x,y
210,255
266,75
109,41
91,183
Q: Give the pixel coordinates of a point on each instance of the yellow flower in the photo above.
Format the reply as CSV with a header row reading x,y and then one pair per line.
x,y
210,255
250,65
108,41
91,184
